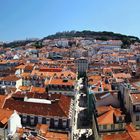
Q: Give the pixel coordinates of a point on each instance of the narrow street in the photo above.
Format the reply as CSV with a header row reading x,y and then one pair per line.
x,y
81,126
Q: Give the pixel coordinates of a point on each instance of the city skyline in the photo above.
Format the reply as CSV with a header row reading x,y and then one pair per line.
x,y
37,19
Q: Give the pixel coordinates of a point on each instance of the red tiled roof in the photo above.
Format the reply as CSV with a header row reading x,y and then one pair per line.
x,y
29,67
123,136
43,128
2,100
45,69
44,131
5,114
102,109
38,89
64,104
135,135
36,95
130,127
60,82
57,108
10,78
108,117
122,75
25,74
56,136
20,67
24,88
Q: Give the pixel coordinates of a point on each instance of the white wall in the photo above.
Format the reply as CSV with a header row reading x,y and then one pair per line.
x,y
18,83
14,123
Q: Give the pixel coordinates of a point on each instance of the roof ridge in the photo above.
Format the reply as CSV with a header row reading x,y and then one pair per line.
x,y
105,116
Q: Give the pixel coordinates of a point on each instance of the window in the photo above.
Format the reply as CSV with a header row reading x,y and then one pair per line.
x,y
120,126
56,121
137,117
47,120
137,108
13,83
7,83
24,118
112,126
64,123
120,119
39,119
100,127
104,126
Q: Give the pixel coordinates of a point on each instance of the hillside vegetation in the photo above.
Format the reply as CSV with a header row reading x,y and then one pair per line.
x,y
127,40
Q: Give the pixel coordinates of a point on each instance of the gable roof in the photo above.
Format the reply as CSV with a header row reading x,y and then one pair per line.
x,y
2,100
58,108
10,78
5,114
108,117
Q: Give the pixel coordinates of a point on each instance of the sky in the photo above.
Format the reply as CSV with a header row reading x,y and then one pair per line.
x,y
22,19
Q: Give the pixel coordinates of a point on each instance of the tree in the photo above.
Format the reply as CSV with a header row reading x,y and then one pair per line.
x,y
38,45
126,42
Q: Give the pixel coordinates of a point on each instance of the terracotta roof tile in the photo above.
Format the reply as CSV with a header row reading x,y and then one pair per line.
x,y
11,78
42,128
29,67
36,95
20,67
123,136
135,135
108,117
53,109
38,89
46,69
39,73
102,109
25,74
130,127
2,100
24,88
107,70
122,75
60,82
5,114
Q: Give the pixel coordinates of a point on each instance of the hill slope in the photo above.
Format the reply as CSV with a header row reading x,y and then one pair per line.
x,y
86,34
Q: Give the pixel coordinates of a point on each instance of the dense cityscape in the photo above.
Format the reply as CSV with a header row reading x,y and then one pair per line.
x,y
74,88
